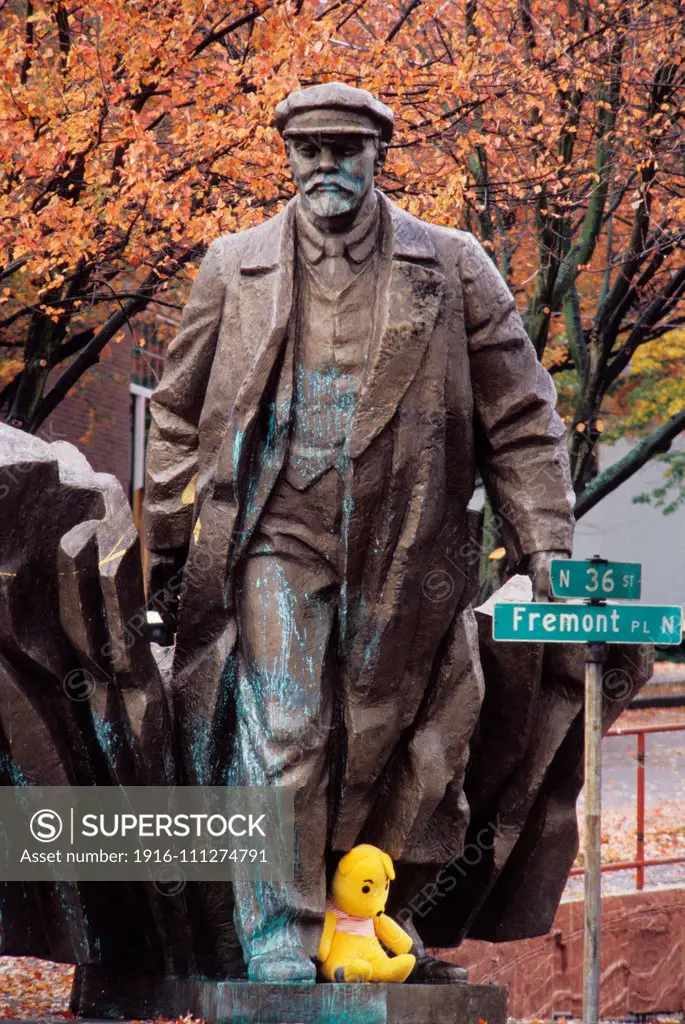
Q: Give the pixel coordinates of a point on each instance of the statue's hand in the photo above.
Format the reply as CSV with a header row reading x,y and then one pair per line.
x,y
538,570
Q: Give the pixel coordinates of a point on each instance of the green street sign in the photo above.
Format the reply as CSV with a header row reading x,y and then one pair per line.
x,y
583,623
596,579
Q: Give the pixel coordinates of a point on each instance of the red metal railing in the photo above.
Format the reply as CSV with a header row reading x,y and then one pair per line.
x,y
639,864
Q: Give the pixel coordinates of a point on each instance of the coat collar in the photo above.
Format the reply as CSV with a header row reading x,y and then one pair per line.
x,y
265,244
357,244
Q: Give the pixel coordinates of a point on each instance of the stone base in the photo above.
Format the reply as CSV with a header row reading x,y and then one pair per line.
x,y
98,992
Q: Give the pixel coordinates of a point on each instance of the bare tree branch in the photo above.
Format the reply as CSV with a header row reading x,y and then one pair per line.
x,y
401,20
90,354
12,267
219,33
656,310
612,477
28,41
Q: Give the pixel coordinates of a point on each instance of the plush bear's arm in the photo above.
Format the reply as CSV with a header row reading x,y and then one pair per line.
x,y
326,936
391,935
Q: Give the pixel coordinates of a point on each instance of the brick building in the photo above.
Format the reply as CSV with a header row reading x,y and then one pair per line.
x,y
106,414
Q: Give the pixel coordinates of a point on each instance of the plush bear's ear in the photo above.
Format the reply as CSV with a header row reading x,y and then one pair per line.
x,y
387,864
347,863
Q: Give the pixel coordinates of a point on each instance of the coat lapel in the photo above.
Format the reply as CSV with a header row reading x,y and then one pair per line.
x,y
265,297
410,294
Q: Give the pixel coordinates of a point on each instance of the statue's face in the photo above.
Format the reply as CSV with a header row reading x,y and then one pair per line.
x,y
333,172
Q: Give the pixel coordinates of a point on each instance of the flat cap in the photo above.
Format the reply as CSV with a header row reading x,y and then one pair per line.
x,y
335,108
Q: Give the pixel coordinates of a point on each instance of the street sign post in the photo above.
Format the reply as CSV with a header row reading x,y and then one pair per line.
x,y
595,656
596,624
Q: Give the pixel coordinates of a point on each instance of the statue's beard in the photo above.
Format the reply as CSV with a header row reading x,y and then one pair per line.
x,y
332,202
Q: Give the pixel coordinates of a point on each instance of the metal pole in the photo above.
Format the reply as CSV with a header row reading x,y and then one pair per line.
x,y
595,655
640,809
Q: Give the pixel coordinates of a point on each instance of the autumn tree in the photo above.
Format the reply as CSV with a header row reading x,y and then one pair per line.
x,y
133,134
123,132
649,396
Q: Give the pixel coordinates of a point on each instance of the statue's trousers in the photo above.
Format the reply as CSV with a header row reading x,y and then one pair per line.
x,y
287,594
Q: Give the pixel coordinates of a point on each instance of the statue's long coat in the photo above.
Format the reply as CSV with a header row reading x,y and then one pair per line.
x,y
454,385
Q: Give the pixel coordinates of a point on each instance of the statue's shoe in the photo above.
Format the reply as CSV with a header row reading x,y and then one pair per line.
x,y
429,971
282,967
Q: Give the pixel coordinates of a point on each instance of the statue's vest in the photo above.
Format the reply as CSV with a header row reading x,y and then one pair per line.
x,y
333,317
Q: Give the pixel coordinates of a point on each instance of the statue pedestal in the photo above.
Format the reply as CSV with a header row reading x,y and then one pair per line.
x,y
103,993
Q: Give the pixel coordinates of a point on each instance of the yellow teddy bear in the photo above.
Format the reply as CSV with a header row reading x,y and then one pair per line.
x,y
349,950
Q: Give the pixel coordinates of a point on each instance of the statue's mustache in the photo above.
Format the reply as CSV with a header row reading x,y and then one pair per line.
x,y
326,183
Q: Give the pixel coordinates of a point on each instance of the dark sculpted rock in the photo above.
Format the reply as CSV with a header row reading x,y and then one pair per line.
x,y
81,700
524,775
